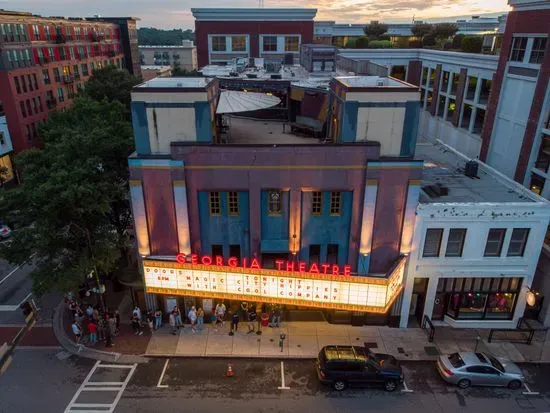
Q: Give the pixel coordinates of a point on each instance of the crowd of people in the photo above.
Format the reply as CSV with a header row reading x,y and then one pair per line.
x,y
90,325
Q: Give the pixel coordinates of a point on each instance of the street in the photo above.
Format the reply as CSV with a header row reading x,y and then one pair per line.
x,y
57,382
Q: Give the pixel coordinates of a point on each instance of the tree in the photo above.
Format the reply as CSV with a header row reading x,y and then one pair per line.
x,y
112,84
457,41
148,36
4,172
421,29
375,29
472,44
179,72
444,30
72,207
380,44
361,42
428,39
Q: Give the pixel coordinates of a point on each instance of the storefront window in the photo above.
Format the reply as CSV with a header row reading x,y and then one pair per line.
x,y
476,298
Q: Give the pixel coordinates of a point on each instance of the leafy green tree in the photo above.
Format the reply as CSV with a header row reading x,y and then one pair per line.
x,y
444,30
148,36
472,44
72,208
362,42
111,84
428,39
380,44
179,72
421,29
375,29
457,41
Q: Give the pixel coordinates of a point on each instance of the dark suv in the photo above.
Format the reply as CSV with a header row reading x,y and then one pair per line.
x,y
342,366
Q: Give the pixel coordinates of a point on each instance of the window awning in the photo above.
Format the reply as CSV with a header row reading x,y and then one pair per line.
x,y
232,101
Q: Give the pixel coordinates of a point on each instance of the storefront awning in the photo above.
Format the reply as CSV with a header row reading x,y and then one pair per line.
x,y
232,101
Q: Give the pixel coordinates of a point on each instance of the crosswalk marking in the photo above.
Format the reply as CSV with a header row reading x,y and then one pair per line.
x,y
101,386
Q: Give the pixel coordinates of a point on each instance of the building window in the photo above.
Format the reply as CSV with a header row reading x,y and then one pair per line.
x,y
432,243
235,251
537,184
60,95
36,31
214,203
274,202
40,104
455,242
316,203
543,159
23,84
17,85
29,110
292,44
537,52
23,110
2,138
233,203
238,43
335,203
46,76
314,253
51,52
519,44
218,44
269,44
56,74
518,242
84,68
332,254
495,239
35,81
217,250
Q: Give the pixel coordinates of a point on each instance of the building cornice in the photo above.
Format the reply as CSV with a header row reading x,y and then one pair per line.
x,y
253,14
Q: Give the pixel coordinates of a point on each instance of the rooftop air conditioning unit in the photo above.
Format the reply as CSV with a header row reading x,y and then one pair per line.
x,y
379,82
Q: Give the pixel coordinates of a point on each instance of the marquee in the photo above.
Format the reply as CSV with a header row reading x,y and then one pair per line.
x,y
353,293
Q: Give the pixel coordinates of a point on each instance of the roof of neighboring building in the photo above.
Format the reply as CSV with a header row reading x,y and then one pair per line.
x,y
181,46
353,82
444,167
174,83
252,14
155,67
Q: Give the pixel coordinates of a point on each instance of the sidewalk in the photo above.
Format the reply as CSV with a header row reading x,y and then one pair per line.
x,y
305,339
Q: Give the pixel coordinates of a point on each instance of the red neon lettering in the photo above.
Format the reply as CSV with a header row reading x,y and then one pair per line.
x,y
302,266
347,270
335,270
325,268
232,262
255,265
244,263
194,259
279,264
206,260
290,265
219,261
180,258
314,268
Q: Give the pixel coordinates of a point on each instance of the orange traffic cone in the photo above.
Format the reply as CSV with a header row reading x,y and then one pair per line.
x,y
229,370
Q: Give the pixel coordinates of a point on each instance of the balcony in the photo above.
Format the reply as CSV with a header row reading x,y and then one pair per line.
x,y
96,37
43,60
111,53
68,79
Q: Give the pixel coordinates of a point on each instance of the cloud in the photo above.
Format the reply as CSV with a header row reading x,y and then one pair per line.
x,y
176,13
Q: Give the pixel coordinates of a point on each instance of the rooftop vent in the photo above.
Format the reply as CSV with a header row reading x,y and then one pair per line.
x,y
379,82
276,76
471,169
435,191
252,75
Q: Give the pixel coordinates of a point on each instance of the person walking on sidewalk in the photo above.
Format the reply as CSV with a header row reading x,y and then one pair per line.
x,y
136,326
172,321
251,319
276,317
200,318
234,322
77,332
108,331
177,315
220,313
192,315
137,313
92,330
158,319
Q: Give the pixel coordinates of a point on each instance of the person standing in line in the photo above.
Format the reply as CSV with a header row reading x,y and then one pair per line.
x,y
101,328
77,332
276,318
89,311
158,319
220,313
251,319
244,311
200,318
108,334
117,322
235,322
111,325
177,314
172,321
92,330
192,315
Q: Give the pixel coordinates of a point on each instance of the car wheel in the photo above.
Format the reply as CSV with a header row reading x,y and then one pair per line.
x,y
339,385
464,383
390,385
514,384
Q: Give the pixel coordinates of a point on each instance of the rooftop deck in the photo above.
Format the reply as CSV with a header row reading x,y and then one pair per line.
x,y
445,167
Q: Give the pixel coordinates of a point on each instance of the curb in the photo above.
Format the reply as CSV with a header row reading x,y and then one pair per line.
x,y
85,352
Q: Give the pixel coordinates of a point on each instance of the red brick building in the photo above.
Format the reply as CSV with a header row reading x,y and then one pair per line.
x,y
272,34
44,61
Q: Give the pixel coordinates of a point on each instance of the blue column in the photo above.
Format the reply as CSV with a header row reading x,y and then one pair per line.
x,y
140,218
141,128
182,217
367,225
203,122
410,128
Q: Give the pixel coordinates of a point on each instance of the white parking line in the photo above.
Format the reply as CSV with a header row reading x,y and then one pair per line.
x,y
282,386
10,273
15,307
529,392
98,386
159,385
406,389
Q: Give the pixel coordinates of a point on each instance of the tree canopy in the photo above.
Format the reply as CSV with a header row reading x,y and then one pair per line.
x,y
444,30
111,84
421,29
71,209
375,29
148,36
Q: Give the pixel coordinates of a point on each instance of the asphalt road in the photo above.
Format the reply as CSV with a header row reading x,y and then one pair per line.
x,y
49,380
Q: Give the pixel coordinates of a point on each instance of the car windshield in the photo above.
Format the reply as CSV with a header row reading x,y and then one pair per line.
x,y
496,364
456,360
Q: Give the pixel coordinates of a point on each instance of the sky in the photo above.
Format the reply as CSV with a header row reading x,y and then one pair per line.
x,y
176,13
